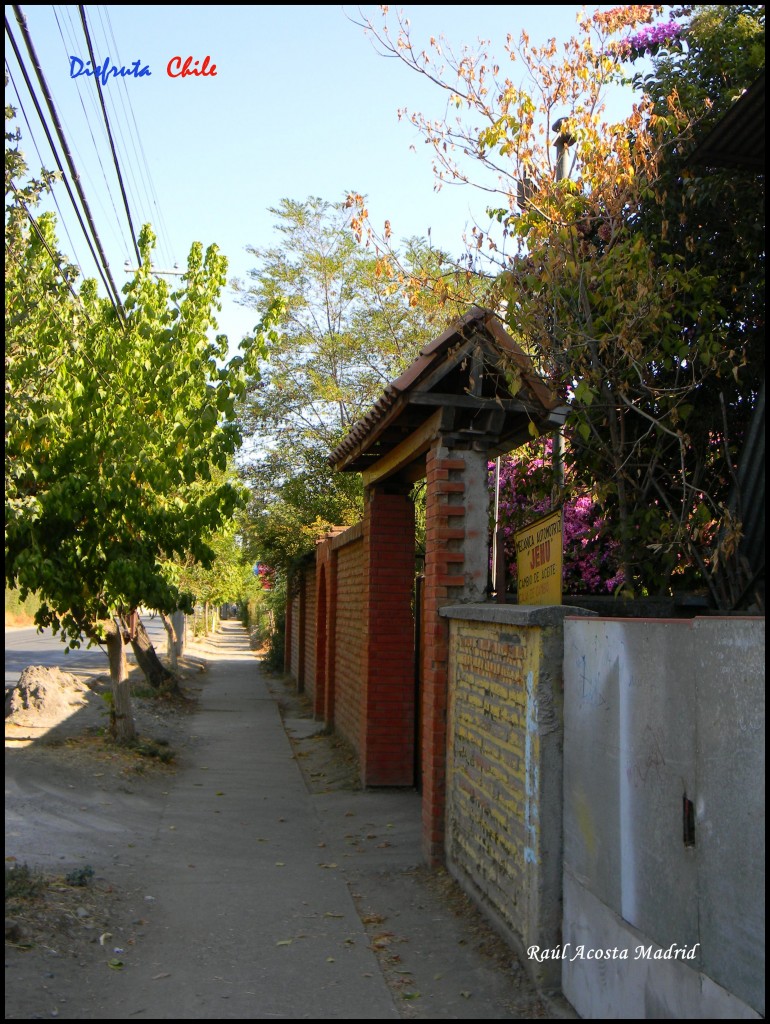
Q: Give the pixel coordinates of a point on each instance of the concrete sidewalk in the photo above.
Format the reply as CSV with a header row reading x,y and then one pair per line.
x,y
255,899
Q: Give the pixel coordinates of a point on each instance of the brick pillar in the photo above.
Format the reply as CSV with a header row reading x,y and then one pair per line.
x,y
288,626
325,638
456,566
321,638
387,715
301,613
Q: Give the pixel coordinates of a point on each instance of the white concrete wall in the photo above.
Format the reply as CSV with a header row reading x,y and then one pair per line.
x,y
656,711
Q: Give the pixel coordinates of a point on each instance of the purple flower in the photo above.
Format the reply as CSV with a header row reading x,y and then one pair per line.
x,y
649,38
591,556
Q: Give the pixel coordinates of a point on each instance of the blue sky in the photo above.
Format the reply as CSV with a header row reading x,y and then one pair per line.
x,y
301,105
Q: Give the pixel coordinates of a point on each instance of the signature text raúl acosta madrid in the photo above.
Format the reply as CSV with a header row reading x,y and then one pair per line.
x,y
651,952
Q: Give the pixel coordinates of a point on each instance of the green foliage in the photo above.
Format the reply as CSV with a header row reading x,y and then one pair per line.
x,y
18,612
711,220
722,53
80,877
634,280
277,637
23,882
155,750
226,577
117,426
345,334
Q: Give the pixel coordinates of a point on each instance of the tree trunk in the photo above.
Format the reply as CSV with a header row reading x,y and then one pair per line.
x,y
156,674
180,625
121,717
205,618
171,649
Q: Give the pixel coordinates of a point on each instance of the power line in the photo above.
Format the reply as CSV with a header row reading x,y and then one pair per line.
x,y
111,286
55,152
140,156
39,232
57,263
115,99
82,10
63,219
56,157
114,221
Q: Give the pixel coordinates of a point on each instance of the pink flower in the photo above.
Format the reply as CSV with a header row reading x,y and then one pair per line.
x,y
590,555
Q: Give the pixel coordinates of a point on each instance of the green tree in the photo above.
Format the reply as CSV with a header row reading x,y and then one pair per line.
x,y
116,423
227,578
347,330
614,286
714,219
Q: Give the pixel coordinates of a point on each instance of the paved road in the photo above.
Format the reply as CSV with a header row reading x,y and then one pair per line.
x,y
25,647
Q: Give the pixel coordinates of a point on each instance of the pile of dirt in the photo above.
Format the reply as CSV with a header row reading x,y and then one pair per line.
x,y
44,695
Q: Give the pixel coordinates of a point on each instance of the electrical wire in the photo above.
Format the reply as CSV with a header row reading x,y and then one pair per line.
x,y
39,232
55,259
62,218
115,220
55,153
140,157
102,261
98,84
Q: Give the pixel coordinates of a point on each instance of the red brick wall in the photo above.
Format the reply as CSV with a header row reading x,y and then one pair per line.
x,y
309,584
387,724
293,636
349,642
444,582
326,565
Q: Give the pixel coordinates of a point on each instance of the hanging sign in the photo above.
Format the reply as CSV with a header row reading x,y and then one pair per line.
x,y
539,561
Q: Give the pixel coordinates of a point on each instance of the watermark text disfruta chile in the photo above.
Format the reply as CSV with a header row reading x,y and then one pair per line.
x,y
177,67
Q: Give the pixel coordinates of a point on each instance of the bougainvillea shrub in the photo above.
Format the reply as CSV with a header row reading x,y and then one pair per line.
x,y
590,556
